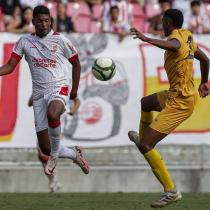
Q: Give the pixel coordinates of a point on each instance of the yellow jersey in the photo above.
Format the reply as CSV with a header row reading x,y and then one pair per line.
x,y
179,64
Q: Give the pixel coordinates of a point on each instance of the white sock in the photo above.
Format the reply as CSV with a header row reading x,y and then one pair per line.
x,y
66,152
54,134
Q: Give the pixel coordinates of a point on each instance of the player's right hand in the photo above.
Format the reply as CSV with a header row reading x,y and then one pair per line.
x,y
204,90
137,34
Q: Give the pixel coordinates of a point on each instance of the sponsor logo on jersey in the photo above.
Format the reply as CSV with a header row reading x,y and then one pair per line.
x,y
43,62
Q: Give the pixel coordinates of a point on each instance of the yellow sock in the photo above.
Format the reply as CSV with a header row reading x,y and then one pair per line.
x,y
159,169
146,119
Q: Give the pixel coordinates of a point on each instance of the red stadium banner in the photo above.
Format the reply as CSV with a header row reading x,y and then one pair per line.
x,y
8,98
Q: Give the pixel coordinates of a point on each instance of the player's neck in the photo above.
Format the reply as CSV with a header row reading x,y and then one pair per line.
x,y
42,35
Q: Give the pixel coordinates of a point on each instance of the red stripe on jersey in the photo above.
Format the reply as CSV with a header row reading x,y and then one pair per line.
x,y
54,124
73,58
16,56
64,91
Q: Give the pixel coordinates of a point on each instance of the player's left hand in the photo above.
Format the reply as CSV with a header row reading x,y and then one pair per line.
x,y
75,106
204,90
137,34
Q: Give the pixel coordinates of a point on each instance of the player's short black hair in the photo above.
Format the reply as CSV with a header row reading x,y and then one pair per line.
x,y
175,16
40,10
195,3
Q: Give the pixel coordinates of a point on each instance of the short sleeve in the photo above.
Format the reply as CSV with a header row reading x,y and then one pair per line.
x,y
175,35
70,51
18,52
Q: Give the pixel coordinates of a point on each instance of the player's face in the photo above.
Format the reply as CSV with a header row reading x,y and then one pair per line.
x,y
114,14
42,23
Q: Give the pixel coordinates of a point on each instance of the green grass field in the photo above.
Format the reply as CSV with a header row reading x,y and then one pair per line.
x,y
97,201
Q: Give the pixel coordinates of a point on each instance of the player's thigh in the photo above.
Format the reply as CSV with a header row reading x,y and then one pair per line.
x,y
40,114
154,102
57,102
44,141
176,111
150,138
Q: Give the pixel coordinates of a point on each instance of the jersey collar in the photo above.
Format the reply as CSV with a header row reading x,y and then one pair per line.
x,y
49,34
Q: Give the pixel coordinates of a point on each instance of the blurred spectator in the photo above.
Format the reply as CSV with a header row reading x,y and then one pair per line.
x,y
151,1
198,22
156,27
184,6
8,7
25,25
63,23
124,10
91,3
114,25
31,3
15,20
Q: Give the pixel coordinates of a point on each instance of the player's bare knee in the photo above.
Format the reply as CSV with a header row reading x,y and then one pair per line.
x,y
144,104
145,147
53,116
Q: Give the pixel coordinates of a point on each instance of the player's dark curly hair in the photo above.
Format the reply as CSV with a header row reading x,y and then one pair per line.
x,y
40,10
175,16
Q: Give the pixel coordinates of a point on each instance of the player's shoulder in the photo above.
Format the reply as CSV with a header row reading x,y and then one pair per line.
x,y
23,38
58,36
180,34
186,32
27,36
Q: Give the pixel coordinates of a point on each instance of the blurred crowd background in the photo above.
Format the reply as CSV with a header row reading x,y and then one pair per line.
x,y
108,16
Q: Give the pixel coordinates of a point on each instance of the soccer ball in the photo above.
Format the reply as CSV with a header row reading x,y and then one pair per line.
x,y
104,68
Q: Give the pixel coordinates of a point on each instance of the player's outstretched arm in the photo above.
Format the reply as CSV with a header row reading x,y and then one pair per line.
x,y
8,67
171,45
76,69
204,89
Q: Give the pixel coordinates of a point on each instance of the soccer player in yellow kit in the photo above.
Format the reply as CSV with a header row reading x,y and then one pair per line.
x,y
176,104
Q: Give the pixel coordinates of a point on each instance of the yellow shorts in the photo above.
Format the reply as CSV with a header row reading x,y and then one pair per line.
x,y
176,108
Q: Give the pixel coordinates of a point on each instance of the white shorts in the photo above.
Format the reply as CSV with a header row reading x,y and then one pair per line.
x,y
40,105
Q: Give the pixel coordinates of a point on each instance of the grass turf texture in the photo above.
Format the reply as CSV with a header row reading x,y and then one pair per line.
x,y
97,201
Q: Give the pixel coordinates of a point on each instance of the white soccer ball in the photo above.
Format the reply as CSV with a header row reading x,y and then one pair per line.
x,y
104,68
